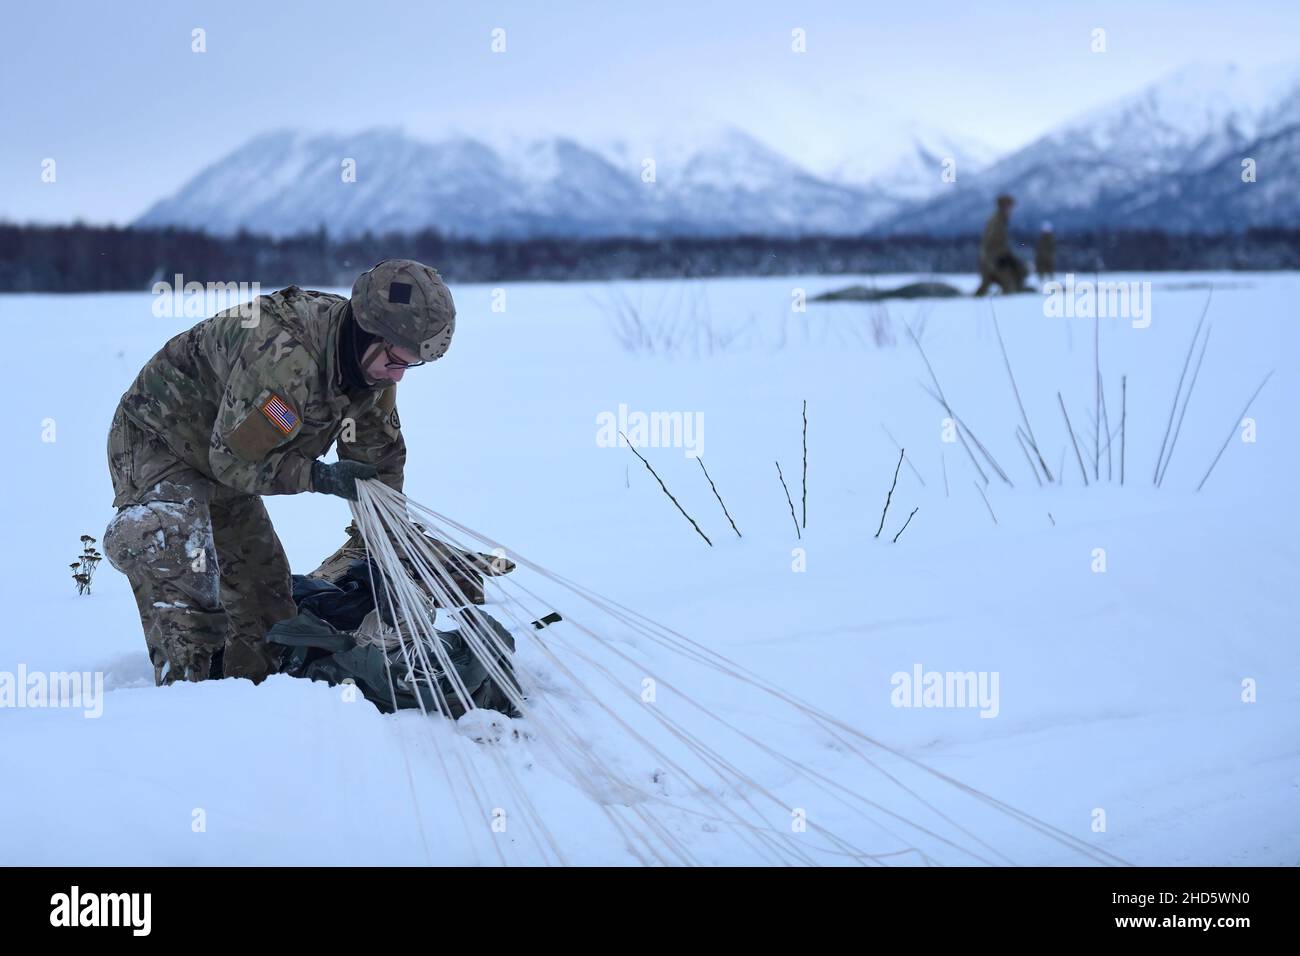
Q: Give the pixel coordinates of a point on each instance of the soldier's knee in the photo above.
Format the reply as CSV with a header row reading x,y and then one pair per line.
x,y
168,543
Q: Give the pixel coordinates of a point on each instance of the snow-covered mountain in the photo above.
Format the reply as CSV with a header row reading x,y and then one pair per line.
x,y
866,143
706,182
1168,156
719,179
1216,197
1098,169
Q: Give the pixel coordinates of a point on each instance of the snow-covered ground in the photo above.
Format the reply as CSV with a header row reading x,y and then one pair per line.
x,y
1119,692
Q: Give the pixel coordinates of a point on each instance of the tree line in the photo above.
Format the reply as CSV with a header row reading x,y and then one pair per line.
x,y
85,258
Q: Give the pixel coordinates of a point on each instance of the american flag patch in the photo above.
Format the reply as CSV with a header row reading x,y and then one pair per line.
x,y
281,415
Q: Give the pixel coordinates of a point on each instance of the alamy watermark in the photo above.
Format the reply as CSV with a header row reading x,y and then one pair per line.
x,y
75,908
198,300
70,689
946,689
1101,299
683,430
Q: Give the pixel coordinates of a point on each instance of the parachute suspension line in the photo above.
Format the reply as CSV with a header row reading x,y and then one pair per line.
x,y
415,669
411,607
478,636
694,650
386,517
711,760
466,771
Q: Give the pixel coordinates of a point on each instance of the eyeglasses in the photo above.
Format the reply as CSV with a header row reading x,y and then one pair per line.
x,y
395,362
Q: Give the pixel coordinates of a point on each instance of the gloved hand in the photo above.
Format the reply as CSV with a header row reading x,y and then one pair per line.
x,y
340,478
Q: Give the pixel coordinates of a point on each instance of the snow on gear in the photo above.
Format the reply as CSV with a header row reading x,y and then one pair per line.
x,y
227,411
208,574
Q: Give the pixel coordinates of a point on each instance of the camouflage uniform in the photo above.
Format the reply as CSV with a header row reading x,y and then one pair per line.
x,y
997,263
235,408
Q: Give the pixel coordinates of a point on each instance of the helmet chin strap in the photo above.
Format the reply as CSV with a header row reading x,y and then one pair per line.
x,y
366,359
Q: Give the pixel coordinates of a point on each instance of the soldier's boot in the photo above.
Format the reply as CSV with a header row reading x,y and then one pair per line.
x,y
187,661
256,584
249,656
166,551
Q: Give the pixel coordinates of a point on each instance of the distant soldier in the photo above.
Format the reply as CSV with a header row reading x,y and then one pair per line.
x,y
1045,253
997,263
231,410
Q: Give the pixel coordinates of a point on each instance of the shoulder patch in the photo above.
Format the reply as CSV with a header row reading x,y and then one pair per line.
x,y
266,423
393,420
281,414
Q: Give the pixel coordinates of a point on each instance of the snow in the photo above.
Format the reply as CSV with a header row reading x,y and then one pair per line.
x,y
867,142
1119,691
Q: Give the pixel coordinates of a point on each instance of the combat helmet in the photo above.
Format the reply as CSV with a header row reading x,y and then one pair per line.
x,y
408,304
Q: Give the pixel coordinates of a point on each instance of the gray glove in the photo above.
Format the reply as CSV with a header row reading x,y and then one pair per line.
x,y
341,477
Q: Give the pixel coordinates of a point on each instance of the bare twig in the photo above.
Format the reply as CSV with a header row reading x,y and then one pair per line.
x,y
1123,415
1234,428
1025,449
942,400
805,463
905,524
908,460
1173,442
986,501
963,427
1105,420
1106,431
1070,428
889,496
719,497
788,501
1191,347
1096,375
668,493
1033,442
943,463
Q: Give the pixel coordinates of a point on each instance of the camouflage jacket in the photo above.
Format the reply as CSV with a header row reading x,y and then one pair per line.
x,y
994,245
251,400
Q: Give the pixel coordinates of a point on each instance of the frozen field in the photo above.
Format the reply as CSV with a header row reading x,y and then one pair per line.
x,y
1119,692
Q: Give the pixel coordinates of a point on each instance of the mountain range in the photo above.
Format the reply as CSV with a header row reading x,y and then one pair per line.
x,y
1169,156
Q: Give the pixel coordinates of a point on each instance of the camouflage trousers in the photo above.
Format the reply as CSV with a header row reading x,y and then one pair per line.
x,y
1008,274
206,567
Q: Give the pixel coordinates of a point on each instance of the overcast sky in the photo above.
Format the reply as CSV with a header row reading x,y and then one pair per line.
x,y
114,94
